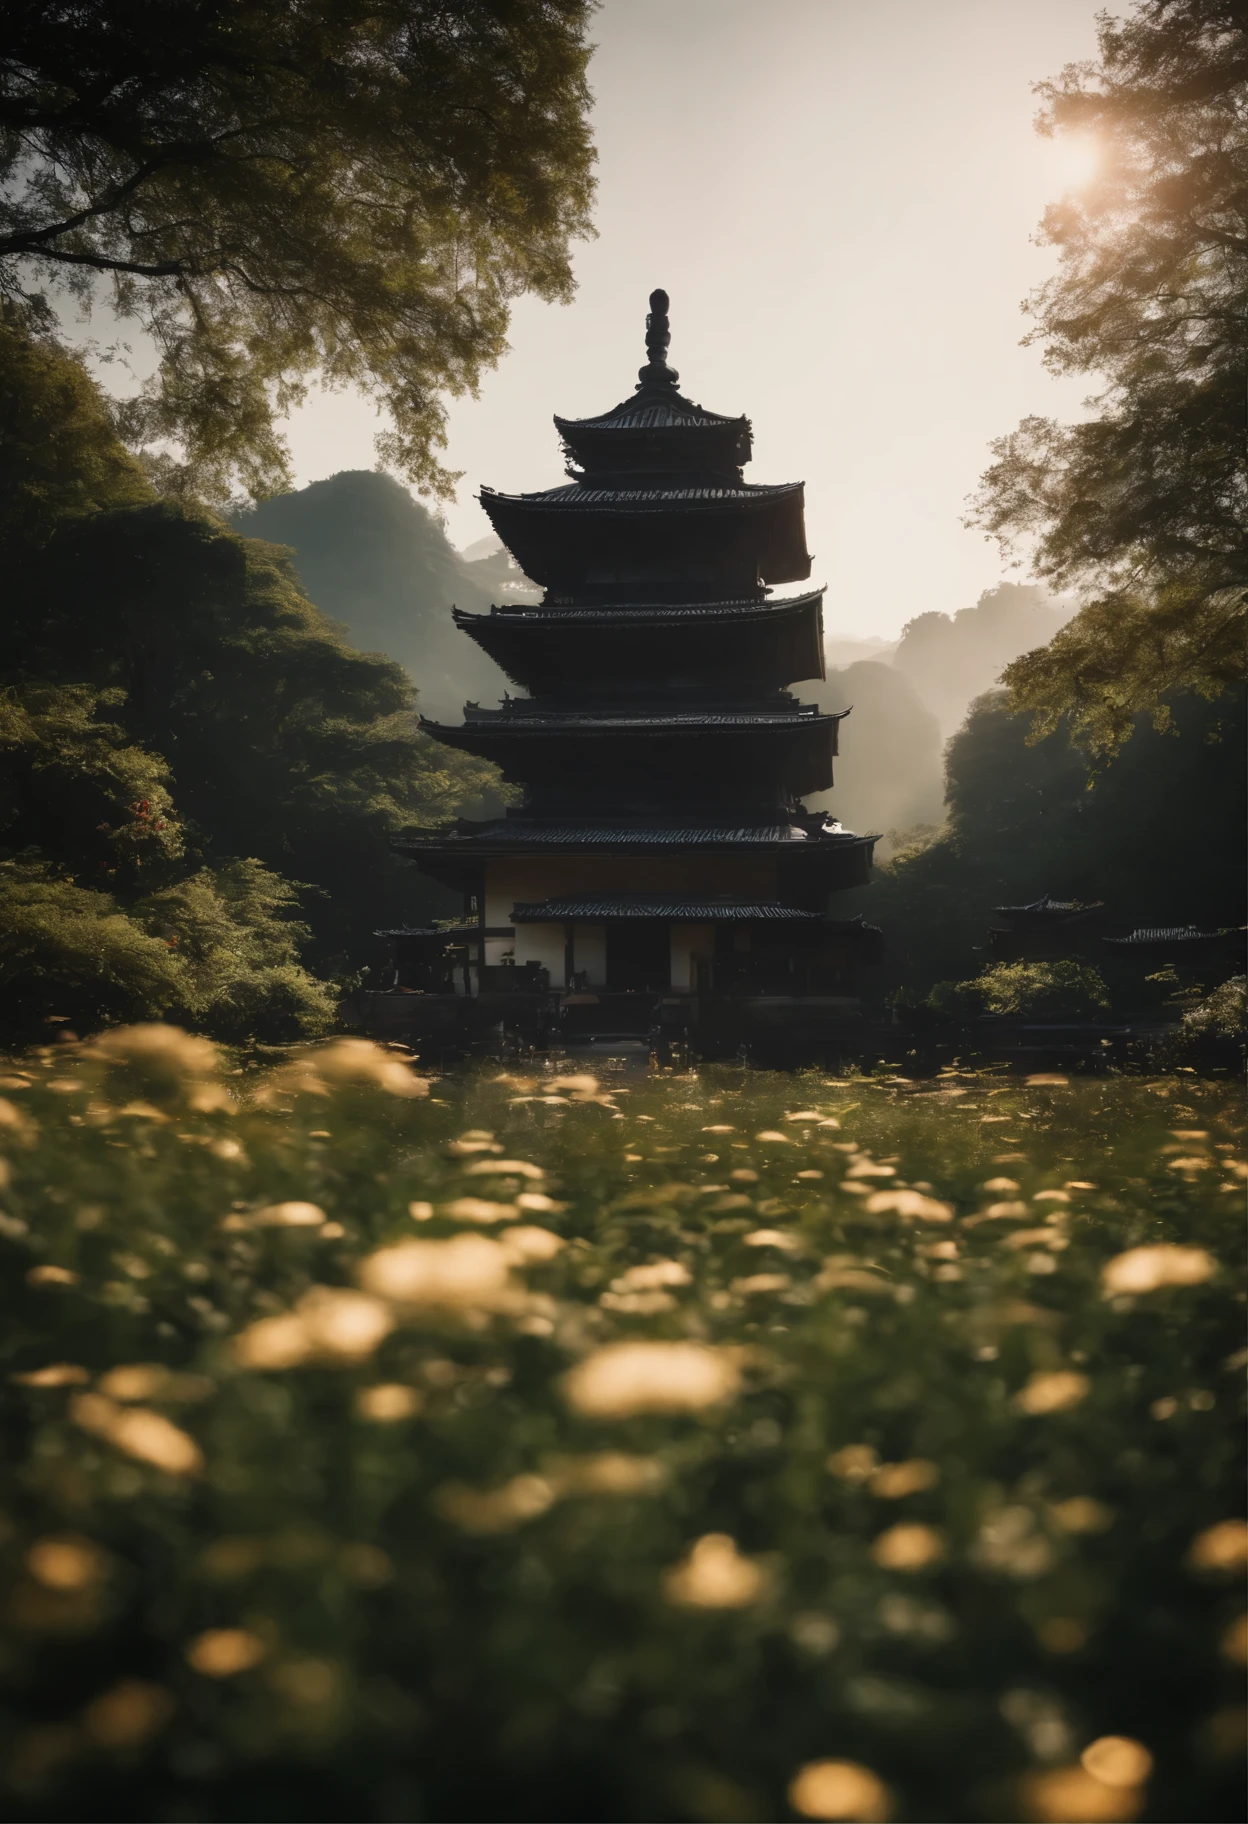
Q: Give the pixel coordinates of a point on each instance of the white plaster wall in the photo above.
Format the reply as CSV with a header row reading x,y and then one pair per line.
x,y
590,952
689,941
542,944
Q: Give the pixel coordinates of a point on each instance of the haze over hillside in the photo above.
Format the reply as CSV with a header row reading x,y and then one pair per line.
x,y
380,563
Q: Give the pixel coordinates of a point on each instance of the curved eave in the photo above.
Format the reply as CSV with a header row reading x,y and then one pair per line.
x,y
492,849
557,537
780,642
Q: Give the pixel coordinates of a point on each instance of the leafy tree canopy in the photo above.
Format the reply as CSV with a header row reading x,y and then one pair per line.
x,y
358,187
1144,507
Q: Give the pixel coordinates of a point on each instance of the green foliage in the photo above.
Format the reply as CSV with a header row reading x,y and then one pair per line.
x,y
1157,834
472,1599
359,187
71,953
71,784
1144,505
1027,990
60,456
220,678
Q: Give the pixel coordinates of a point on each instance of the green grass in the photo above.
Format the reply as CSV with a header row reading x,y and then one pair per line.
x,y
487,1607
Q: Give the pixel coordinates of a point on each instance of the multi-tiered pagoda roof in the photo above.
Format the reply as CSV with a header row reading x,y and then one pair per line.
x,y
659,726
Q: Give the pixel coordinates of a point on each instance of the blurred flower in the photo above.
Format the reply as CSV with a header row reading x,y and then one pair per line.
x,y
224,1652
839,1789
135,1381
1011,1540
1056,1391
908,1203
539,1204
623,1379
1062,1634
894,1480
1082,1514
477,1209
128,1714
165,1055
1071,1795
1046,1080
854,1462
312,1684
607,1472
714,1576
366,1565
388,1402
1117,1760
581,1087
804,1114
654,1274
755,1283
866,1167
1048,1237
67,1562
144,1435
1050,1196
476,1140
1000,1184
1003,1212
467,1270
18,1127
420,1212
815,1633
1223,1547
771,1136
344,1326
1235,1642
273,1342
908,1547
1163,1264
495,1510
526,1245
509,1168
289,1216
350,1061
56,1374
773,1238
51,1276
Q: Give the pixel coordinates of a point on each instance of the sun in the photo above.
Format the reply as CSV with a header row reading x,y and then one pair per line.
x,y
1076,158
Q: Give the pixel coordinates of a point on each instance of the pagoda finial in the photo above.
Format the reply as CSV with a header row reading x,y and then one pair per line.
x,y
658,336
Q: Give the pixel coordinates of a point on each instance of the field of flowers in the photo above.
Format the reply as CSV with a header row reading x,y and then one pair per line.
x,y
712,1447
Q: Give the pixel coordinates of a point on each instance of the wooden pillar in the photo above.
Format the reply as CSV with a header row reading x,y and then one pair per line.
x,y
569,953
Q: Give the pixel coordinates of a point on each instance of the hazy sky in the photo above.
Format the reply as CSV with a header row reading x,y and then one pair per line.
x,y
840,197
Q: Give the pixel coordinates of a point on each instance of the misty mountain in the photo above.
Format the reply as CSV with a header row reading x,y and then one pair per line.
x,y
889,773
952,659
382,565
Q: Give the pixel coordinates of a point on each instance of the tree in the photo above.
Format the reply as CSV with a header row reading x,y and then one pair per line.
x,y
358,187
1144,507
150,650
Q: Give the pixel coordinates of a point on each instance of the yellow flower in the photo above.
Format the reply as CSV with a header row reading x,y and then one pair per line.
x,y
854,1462
67,1562
289,1216
839,1789
530,1245
1057,1391
56,1374
908,1203
1223,1547
892,1481
623,1379
714,1576
478,1209
908,1547
128,1714
388,1402
140,1433
224,1652
1117,1760
464,1271
1163,1264
495,1510
1071,1795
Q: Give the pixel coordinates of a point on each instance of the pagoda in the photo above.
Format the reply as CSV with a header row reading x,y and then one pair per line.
x,y
660,851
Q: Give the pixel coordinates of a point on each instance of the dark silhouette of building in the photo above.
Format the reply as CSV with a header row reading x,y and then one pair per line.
x,y
661,851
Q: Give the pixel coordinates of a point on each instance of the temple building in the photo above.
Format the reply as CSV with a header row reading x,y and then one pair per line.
x,y
660,848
